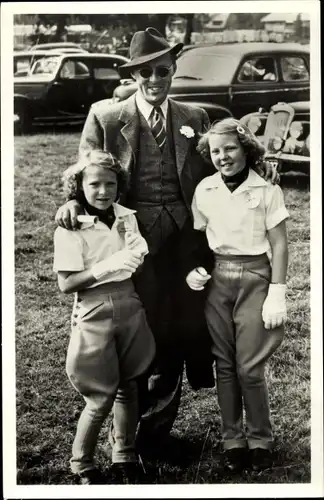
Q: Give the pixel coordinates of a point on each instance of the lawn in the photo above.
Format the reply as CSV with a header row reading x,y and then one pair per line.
x,y
47,406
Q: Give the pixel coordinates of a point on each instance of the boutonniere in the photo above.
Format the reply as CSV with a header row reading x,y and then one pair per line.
x,y
187,131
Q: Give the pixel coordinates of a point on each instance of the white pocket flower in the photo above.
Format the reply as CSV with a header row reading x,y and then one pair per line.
x,y
187,131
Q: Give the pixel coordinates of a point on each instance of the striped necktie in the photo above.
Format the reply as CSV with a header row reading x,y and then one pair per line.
x,y
157,127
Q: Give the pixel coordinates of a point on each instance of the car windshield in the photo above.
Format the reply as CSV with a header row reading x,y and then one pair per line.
x,y
45,66
199,66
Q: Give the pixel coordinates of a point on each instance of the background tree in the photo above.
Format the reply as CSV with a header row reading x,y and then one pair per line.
x,y
298,28
189,28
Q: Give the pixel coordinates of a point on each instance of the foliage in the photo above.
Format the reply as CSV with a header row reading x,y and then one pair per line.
x,y
298,28
47,406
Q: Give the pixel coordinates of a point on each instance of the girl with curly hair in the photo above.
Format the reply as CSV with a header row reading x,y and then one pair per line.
x,y
111,344
244,220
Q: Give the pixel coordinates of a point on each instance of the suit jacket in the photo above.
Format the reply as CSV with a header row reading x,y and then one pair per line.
x,y
115,128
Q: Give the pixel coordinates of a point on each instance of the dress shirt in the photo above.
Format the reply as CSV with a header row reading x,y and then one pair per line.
x,y
237,223
93,242
147,109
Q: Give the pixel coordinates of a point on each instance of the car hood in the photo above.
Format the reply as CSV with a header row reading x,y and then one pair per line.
x,y
186,86
179,82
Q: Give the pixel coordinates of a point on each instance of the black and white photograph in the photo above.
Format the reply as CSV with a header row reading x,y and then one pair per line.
x,y
161,176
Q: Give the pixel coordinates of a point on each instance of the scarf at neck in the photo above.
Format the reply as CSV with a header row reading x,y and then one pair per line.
x,y
234,181
106,216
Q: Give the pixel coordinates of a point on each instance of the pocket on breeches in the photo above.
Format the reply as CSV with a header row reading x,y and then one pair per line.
x,y
91,346
88,309
263,273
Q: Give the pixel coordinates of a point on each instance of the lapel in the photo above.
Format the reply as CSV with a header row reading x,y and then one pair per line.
x,y
180,116
130,132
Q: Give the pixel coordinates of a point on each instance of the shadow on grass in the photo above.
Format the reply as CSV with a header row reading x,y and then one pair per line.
x,y
177,461
55,129
295,180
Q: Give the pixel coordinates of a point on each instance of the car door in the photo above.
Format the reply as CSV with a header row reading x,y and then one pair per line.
x,y
71,92
256,84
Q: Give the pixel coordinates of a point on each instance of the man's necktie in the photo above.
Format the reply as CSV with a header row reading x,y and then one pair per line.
x,y
157,127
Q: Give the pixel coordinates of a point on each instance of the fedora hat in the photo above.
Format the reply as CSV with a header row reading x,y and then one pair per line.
x,y
146,46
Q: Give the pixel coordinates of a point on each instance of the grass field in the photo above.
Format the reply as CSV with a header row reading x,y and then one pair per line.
x,y
47,406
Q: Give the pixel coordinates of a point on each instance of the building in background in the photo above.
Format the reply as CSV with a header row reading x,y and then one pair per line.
x,y
218,22
287,26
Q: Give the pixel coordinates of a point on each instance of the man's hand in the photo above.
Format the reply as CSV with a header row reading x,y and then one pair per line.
x,y
197,278
124,260
269,171
136,242
67,214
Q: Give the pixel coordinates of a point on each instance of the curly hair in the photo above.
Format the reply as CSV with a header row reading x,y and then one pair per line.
x,y
72,176
251,145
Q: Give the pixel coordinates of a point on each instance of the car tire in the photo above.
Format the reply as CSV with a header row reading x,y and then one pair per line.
x,y
23,123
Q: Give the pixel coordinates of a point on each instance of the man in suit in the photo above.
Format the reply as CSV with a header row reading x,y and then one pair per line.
x,y
154,139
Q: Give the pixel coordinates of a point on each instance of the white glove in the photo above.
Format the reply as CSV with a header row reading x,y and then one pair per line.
x,y
274,311
136,242
124,260
197,278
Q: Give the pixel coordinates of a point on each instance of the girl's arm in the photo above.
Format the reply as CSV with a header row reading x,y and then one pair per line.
x,y
279,245
274,311
70,282
123,260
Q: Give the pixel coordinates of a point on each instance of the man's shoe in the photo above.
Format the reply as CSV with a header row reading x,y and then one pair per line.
x,y
234,460
127,472
261,459
91,476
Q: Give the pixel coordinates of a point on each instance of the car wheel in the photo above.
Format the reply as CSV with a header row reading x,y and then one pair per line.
x,y
22,122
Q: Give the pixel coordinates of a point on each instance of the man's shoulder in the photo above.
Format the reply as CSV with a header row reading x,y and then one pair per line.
x,y
190,108
106,107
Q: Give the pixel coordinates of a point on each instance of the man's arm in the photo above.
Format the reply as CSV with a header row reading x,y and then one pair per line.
x,y
92,136
205,122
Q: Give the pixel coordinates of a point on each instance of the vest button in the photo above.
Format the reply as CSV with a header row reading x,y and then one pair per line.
x,y
74,323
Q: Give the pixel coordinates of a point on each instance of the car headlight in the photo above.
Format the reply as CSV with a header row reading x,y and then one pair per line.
x,y
277,143
296,129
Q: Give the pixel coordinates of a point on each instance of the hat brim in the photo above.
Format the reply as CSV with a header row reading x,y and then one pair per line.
x,y
127,68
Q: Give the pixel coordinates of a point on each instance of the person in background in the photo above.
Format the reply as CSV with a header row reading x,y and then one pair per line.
x,y
244,217
111,344
155,140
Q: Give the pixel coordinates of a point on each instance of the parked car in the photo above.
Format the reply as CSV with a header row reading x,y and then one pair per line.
x,y
57,45
60,88
284,130
24,60
236,79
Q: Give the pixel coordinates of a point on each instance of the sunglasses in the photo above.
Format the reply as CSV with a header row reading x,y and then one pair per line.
x,y
160,71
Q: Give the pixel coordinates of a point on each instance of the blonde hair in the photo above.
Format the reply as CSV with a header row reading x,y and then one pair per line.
x,y
251,145
72,176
